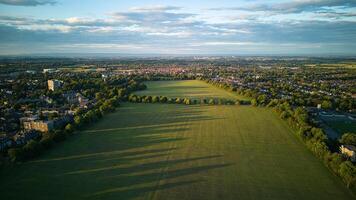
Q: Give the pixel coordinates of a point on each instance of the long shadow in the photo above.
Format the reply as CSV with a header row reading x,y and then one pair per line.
x,y
128,134
122,193
134,158
138,168
108,151
123,183
151,177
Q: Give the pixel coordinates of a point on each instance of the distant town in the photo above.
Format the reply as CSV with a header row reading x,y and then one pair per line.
x,y
45,100
42,95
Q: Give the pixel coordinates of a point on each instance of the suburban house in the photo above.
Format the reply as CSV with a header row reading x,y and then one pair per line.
x,y
71,97
349,150
76,98
23,137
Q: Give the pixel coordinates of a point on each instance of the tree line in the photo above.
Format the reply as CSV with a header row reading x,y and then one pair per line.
x,y
313,137
186,101
316,140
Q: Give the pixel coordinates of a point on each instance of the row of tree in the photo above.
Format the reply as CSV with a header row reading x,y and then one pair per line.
x,y
187,101
314,138
316,141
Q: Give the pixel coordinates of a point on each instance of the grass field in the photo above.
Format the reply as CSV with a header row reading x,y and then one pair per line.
x,y
194,89
166,151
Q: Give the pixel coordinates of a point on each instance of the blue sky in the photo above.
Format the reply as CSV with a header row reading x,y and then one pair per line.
x,y
245,27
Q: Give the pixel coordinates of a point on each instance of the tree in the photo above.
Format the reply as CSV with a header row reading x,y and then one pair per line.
x,y
262,99
254,102
272,103
348,173
78,121
16,154
32,149
122,92
348,138
211,102
178,100
284,114
155,99
163,99
99,96
187,101
69,128
148,99
326,104
333,161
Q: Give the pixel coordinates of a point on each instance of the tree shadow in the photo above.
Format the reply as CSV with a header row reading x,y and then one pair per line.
x,y
122,193
139,168
116,156
129,184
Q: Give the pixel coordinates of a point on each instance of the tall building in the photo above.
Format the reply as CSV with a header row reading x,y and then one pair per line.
x,y
54,84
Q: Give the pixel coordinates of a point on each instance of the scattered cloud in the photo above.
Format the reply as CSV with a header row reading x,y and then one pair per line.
x,y
295,6
28,2
294,26
155,8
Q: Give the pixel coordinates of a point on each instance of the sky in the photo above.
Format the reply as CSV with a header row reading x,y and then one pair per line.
x,y
179,27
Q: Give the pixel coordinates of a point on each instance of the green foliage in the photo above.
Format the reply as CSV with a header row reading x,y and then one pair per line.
x,y
16,154
333,161
348,173
32,149
69,128
155,99
326,104
348,138
254,102
78,121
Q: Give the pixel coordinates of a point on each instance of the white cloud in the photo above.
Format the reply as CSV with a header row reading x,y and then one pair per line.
x,y
154,8
27,2
181,34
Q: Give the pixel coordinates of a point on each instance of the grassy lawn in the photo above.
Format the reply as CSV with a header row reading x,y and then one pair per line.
x,y
191,89
152,151
167,151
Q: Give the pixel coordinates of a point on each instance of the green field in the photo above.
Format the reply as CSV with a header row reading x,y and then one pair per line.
x,y
167,151
194,89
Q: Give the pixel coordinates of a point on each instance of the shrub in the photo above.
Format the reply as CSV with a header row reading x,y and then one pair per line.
x,y
16,154
347,172
32,149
